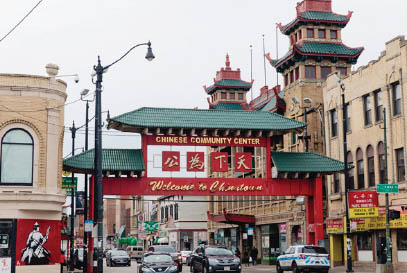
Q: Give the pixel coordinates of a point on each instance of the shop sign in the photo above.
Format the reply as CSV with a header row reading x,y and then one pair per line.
x,y
250,231
380,222
334,225
207,141
265,241
5,265
363,204
244,236
88,225
282,228
3,240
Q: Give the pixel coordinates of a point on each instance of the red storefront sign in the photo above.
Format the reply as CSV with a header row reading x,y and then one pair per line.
x,y
334,225
206,141
219,162
363,204
243,162
171,161
195,161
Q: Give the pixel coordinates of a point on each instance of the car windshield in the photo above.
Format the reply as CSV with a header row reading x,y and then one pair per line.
x,y
160,258
314,250
167,249
119,253
218,252
185,252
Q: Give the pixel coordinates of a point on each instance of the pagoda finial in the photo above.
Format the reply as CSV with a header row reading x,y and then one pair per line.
x,y
227,61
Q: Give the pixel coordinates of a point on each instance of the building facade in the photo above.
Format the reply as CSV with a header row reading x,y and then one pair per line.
x,y
368,91
31,198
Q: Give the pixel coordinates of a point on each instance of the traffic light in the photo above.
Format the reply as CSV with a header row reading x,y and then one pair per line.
x,y
394,214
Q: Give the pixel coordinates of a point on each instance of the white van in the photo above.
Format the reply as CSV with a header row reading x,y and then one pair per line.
x,y
135,252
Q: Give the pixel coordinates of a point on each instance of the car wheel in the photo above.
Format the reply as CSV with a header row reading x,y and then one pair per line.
x,y
278,268
294,268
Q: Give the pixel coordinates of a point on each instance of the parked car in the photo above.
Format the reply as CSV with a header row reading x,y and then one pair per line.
x,y
176,256
158,262
117,257
207,259
185,255
135,252
302,258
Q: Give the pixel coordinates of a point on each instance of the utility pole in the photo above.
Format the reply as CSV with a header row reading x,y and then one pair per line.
x,y
71,252
85,234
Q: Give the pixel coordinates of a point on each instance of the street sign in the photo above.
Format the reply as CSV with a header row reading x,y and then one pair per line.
x,y
387,188
88,225
67,182
150,226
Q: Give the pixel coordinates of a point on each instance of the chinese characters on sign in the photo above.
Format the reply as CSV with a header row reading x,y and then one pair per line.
x,y
219,162
171,161
195,162
363,204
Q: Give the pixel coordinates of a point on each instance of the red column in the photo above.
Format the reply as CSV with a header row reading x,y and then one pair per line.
x,y
318,211
309,208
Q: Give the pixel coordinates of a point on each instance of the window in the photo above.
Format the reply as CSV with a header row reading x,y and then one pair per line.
x,y
334,123
17,151
321,34
382,163
6,236
297,72
342,70
310,72
402,239
336,184
310,33
223,95
232,95
162,215
365,241
291,76
400,165
286,79
293,138
325,71
240,96
378,104
367,107
166,212
171,211
351,178
300,34
176,212
347,118
370,166
360,169
334,34
396,99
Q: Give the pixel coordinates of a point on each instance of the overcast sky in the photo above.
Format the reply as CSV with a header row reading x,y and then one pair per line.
x,y
189,38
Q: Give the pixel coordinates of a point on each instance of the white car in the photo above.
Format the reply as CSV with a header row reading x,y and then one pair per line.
x,y
185,255
301,258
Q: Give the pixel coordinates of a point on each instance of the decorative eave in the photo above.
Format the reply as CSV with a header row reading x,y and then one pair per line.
x,y
228,84
231,218
315,18
297,53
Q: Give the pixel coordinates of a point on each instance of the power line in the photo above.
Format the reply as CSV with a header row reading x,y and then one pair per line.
x,y
28,14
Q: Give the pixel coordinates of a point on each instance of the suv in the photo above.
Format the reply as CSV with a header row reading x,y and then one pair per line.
x,y
304,258
158,262
135,252
214,258
176,256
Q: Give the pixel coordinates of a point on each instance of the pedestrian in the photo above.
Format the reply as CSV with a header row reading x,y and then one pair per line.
x,y
253,254
62,260
246,257
237,252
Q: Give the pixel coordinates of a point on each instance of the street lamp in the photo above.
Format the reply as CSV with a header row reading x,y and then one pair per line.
x,y
99,69
306,136
345,161
83,94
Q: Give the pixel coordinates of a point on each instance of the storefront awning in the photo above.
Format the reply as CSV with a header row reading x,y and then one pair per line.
x,y
230,218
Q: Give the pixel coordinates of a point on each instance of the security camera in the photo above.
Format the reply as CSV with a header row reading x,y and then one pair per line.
x,y
76,78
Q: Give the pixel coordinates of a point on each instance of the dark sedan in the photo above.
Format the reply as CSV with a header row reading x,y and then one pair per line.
x,y
156,262
210,259
117,257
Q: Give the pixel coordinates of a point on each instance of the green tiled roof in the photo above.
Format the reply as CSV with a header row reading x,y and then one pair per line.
x,y
310,16
328,48
204,119
229,84
228,106
306,162
277,62
112,160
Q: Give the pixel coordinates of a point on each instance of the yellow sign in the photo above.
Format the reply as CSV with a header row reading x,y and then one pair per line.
x,y
363,212
65,173
378,223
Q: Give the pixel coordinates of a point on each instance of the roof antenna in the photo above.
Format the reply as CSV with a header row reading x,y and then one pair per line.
x,y
277,50
264,62
251,71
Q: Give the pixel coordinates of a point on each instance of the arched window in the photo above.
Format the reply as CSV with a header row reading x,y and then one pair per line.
x,y
360,169
370,165
351,177
17,151
382,163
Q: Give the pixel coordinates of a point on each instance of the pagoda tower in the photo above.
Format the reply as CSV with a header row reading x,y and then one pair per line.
x,y
228,91
315,51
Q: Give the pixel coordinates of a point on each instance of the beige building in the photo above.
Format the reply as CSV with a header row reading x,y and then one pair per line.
x,y
372,88
31,199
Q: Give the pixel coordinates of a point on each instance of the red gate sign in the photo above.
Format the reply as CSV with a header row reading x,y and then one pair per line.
x,y
363,204
243,162
219,162
195,161
171,161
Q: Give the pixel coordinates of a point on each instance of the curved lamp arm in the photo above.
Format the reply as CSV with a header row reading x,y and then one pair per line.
x,y
125,54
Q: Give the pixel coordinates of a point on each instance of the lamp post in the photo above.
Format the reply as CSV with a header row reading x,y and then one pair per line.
x,y
73,130
345,161
83,93
99,69
306,136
